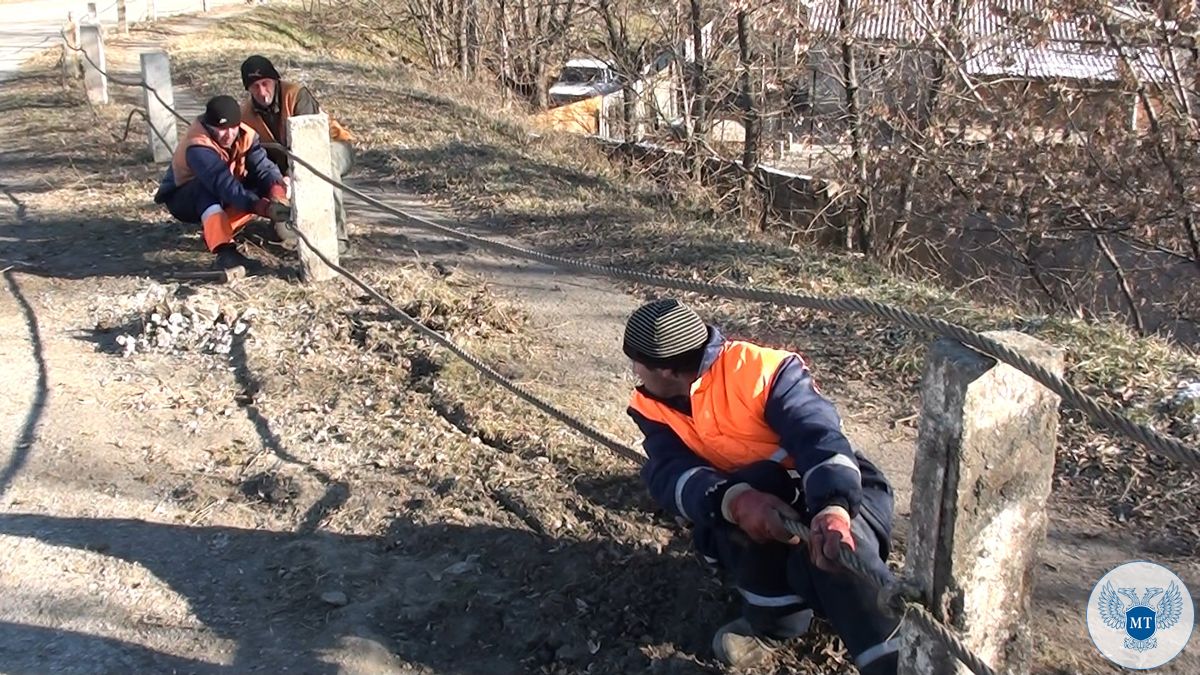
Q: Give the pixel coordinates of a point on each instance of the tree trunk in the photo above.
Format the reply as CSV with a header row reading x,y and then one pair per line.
x,y
749,197
699,92
474,41
860,233
541,85
461,40
925,114
624,59
506,76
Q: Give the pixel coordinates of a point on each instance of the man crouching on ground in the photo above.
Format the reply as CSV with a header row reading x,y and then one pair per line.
x,y
269,103
221,178
738,438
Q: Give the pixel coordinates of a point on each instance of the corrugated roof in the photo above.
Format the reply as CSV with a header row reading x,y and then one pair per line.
x,y
1018,38
909,20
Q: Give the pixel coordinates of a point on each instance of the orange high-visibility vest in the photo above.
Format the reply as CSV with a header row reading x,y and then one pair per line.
x,y
234,157
288,93
728,426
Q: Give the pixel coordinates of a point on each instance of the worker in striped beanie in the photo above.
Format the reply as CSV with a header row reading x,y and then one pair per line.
x,y
738,438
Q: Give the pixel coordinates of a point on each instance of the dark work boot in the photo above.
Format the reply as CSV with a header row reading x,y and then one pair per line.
x,y
228,257
737,645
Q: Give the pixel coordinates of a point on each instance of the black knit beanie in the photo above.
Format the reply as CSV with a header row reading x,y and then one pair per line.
x,y
659,332
222,112
257,68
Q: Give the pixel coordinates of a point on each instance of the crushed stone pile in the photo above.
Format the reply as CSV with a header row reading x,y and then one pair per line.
x,y
174,319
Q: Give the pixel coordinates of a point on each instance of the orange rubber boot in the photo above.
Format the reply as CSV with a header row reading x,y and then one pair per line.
x,y
221,224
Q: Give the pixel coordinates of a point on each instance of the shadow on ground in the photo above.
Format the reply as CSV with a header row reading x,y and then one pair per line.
x,y
37,406
458,599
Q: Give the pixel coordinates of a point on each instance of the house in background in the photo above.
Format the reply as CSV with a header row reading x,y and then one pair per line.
x,y
1062,65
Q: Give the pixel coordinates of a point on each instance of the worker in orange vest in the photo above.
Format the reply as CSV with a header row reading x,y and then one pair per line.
x,y
738,438
270,101
221,178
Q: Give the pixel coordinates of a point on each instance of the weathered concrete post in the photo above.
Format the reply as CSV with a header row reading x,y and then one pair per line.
x,y
985,457
156,73
602,128
92,42
70,57
74,29
313,209
122,18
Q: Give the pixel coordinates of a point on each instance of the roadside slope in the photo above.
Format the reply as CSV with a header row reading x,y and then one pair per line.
x,y
425,470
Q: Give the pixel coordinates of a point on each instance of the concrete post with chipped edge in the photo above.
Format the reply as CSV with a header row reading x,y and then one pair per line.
x,y
156,73
984,464
313,209
91,40
70,39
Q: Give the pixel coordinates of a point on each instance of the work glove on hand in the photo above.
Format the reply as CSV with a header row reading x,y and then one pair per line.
x,y
279,211
262,208
829,530
272,209
759,514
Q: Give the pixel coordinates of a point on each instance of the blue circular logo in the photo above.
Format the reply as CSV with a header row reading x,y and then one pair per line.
x,y
1140,615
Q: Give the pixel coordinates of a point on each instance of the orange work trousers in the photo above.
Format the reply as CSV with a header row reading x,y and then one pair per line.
x,y
220,224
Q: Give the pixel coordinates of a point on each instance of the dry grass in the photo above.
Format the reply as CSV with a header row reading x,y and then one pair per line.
x,y
460,143
47,120
371,400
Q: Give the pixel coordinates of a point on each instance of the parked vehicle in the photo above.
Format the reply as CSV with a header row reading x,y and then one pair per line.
x,y
583,78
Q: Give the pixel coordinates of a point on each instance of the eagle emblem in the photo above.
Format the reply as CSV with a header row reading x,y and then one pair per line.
x,y
1137,617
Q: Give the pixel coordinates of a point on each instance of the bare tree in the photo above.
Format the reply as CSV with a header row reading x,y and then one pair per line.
x,y
629,57
750,198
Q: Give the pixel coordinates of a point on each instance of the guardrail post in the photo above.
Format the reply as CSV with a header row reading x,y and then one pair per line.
x,y
985,458
313,209
156,73
602,120
91,40
70,57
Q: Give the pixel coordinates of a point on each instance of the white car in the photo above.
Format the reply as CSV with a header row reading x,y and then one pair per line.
x,y
583,78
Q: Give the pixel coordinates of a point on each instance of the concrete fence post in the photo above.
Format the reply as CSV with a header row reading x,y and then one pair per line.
x,y
313,208
74,31
152,11
70,57
96,84
602,121
985,458
156,73
122,18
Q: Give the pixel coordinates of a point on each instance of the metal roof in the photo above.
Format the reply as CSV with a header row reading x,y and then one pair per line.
x,y
1018,38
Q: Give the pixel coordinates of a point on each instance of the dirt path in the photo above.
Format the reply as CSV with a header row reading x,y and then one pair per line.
x,y
225,513
29,26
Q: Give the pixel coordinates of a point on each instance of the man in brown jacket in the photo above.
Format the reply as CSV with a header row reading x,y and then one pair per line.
x,y
269,104
221,178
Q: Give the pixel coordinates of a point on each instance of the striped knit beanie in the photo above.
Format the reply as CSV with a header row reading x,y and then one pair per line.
x,y
663,330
